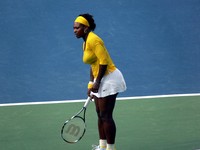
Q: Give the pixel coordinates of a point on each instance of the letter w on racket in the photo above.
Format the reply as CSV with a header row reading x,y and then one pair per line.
x,y
73,130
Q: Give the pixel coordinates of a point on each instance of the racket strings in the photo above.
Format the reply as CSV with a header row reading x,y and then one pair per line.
x,y
73,130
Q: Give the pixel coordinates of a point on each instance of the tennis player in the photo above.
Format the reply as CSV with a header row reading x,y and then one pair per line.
x,y
106,81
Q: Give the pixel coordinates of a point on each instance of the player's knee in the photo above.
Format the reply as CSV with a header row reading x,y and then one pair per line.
x,y
105,116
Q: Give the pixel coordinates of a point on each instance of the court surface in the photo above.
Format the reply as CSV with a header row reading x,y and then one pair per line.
x,y
154,43
157,123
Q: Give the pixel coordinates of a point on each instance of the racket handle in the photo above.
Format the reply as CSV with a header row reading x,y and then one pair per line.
x,y
87,101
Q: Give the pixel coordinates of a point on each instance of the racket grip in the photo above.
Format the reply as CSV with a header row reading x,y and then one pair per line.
x,y
87,101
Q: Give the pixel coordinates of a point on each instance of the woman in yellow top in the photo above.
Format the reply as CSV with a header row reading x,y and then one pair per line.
x,y
106,81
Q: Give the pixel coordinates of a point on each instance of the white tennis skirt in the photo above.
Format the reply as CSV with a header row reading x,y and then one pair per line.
x,y
111,84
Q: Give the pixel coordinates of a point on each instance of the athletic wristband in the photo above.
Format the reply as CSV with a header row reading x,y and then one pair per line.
x,y
90,84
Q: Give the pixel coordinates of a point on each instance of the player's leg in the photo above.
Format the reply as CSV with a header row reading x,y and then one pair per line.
x,y
106,124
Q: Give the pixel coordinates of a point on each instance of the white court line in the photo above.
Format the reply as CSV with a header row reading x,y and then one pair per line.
x,y
83,100
159,96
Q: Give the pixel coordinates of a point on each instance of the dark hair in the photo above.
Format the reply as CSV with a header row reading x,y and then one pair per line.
x,y
90,20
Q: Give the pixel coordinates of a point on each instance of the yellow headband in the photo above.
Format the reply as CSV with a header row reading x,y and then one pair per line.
x,y
82,20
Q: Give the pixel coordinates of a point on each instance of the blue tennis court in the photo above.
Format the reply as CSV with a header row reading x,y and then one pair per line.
x,y
154,43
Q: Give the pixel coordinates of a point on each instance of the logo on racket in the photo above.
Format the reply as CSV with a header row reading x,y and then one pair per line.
x,y
73,130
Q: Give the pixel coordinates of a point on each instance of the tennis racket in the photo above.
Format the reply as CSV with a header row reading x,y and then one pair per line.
x,y
74,129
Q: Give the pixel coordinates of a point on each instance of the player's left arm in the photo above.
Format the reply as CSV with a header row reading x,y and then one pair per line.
x,y
101,54
102,70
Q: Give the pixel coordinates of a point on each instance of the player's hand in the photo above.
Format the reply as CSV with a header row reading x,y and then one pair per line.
x,y
89,93
95,87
